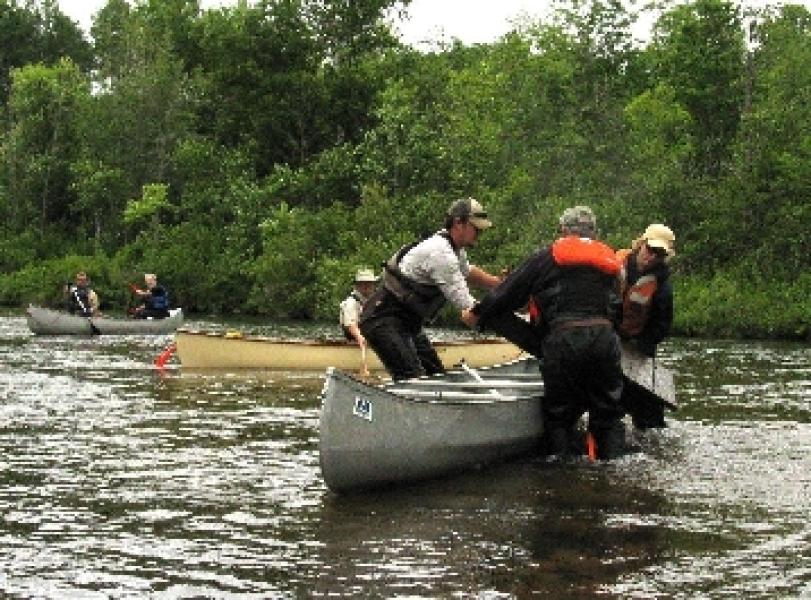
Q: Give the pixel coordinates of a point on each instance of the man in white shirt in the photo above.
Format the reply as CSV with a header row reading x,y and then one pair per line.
x,y
416,283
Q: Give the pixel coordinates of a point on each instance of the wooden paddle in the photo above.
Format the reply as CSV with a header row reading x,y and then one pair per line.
x,y
472,372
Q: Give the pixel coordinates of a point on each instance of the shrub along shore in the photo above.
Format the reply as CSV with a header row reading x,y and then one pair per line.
x,y
255,156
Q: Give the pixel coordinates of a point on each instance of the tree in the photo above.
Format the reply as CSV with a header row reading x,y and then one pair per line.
x,y
37,32
42,141
698,50
772,180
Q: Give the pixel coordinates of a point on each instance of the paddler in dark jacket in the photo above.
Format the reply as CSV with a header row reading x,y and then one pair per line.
x,y
155,299
647,293
80,299
416,283
647,309
572,285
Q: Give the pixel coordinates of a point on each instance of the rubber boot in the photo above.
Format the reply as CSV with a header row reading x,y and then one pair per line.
x,y
558,441
649,417
610,440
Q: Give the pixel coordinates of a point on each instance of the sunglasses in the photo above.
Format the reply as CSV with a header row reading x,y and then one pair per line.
x,y
659,252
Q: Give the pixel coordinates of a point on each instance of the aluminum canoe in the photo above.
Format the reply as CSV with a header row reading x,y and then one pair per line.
x,y
232,350
44,321
426,427
374,435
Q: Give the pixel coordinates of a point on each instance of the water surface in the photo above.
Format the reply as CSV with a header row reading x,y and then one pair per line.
x,y
117,481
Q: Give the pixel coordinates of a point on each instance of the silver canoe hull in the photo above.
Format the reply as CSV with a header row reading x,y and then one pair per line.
x,y
44,321
426,427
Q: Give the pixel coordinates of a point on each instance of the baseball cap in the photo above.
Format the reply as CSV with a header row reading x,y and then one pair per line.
x,y
364,275
660,236
579,219
472,211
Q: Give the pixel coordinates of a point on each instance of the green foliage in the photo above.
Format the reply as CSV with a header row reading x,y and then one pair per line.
x,y
155,198
254,156
37,32
762,307
699,51
43,282
42,139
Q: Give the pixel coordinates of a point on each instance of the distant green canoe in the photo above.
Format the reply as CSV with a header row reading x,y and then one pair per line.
x,y
44,321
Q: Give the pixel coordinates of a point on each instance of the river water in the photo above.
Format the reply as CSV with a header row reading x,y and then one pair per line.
x,y
118,481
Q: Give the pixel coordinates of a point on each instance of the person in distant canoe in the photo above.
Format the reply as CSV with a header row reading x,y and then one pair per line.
x,y
573,287
416,283
80,298
350,309
647,300
155,299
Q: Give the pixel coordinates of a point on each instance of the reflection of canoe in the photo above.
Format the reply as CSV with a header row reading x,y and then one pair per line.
x,y
45,321
198,349
429,426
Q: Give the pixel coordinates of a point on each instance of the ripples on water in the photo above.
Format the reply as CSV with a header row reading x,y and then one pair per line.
x,y
117,482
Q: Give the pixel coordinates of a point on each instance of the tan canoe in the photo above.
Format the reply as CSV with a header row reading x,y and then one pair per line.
x,y
232,350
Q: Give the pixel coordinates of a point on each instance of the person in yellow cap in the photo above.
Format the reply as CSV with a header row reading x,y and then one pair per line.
x,y
647,293
647,298
350,309
416,283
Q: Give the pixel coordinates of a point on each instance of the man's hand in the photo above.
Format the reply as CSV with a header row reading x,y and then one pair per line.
x,y
469,318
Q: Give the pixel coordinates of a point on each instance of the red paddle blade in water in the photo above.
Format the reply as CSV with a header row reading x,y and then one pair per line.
x,y
591,446
164,356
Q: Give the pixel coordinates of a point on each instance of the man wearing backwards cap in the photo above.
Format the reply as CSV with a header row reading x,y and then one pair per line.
x,y
416,283
573,284
647,299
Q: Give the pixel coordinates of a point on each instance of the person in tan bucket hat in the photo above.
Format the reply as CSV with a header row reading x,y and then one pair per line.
x,y
647,298
351,307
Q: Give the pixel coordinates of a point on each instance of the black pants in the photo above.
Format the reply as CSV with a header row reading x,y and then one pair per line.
x,y
582,372
404,351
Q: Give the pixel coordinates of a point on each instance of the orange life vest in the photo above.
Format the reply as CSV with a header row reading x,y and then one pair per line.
x,y
573,251
637,299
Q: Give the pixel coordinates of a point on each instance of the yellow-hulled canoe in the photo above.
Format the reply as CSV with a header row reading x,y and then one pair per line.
x,y
231,350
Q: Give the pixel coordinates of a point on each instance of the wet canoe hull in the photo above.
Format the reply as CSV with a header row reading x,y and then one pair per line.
x,y
406,431
207,350
44,321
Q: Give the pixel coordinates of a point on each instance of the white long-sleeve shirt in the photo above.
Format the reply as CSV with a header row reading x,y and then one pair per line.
x,y
434,261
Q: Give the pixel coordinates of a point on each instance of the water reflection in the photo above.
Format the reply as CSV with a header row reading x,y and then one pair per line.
x,y
117,481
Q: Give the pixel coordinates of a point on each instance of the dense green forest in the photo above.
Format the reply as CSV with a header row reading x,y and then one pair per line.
x,y
254,156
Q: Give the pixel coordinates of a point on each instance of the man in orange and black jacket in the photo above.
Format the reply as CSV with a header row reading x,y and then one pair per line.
x,y
573,286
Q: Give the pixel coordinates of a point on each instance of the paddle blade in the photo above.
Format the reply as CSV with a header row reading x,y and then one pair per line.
x,y
591,446
164,356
